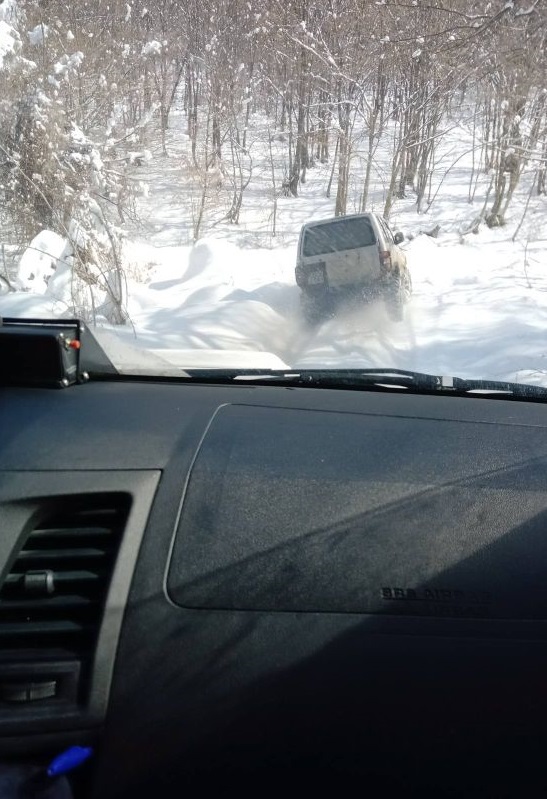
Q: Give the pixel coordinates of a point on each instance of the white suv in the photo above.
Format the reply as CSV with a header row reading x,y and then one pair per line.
x,y
351,258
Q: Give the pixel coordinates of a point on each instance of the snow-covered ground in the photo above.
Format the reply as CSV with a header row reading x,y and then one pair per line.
x,y
479,307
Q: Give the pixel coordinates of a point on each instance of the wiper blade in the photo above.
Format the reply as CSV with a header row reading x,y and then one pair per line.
x,y
370,378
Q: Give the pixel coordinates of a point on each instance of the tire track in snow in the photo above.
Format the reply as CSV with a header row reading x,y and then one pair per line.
x,y
358,337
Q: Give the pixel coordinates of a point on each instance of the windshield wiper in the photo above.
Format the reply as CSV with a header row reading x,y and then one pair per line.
x,y
370,379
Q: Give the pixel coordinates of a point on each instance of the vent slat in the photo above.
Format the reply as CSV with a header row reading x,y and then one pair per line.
x,y
9,629
70,532
78,518
55,592
43,604
56,555
64,577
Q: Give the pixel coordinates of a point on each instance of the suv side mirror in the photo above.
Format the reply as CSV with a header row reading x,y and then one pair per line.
x,y
398,237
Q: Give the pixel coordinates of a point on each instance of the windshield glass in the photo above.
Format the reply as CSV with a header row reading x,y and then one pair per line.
x,y
159,160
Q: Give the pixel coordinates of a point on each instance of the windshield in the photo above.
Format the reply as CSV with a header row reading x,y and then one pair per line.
x,y
159,162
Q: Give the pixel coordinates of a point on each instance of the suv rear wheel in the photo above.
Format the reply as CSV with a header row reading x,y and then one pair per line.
x,y
397,293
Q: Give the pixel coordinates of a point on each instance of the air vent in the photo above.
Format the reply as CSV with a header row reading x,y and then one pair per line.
x,y
52,600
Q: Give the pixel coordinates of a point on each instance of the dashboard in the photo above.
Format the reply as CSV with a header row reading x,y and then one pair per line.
x,y
252,587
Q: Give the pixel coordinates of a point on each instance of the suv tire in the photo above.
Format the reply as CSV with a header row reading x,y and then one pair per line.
x,y
397,293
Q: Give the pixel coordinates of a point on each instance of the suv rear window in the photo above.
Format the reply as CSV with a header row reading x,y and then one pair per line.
x,y
342,234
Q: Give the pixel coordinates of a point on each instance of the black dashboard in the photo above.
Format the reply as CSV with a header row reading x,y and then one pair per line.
x,y
250,587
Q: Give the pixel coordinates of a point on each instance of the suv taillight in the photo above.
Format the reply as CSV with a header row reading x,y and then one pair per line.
x,y
385,259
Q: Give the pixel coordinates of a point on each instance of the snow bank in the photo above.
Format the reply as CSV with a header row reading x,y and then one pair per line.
x,y
19,304
213,298
10,43
39,261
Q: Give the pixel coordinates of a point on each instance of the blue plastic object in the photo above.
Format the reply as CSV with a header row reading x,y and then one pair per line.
x,y
69,760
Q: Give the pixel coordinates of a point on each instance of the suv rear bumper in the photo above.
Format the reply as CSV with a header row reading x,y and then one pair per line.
x,y
336,294
313,280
